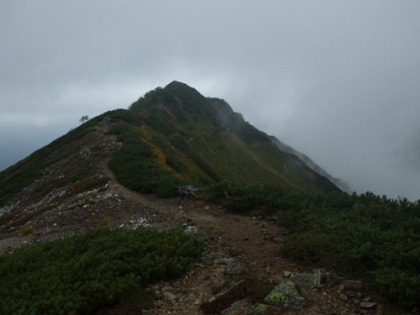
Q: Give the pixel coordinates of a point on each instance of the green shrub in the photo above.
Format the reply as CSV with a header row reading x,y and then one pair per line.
x,y
134,168
365,234
399,286
86,273
312,247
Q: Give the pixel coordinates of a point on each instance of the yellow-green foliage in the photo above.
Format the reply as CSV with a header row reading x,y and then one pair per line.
x,y
134,167
28,231
158,157
105,221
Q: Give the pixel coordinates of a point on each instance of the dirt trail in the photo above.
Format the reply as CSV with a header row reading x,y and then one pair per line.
x,y
253,242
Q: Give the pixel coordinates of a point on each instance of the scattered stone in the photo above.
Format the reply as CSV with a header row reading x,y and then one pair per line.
x,y
322,274
169,297
278,239
285,295
238,308
307,280
287,274
236,268
140,222
227,289
190,191
350,294
367,305
190,229
343,297
259,309
225,261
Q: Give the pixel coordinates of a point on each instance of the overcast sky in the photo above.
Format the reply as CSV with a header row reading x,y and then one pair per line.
x,y
336,80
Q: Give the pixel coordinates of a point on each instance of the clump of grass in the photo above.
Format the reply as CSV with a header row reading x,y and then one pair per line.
x,y
28,231
105,221
89,272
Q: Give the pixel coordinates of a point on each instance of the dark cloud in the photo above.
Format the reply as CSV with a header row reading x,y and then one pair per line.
x,y
336,80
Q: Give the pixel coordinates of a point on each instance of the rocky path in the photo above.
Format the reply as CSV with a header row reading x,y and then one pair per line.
x,y
252,243
239,248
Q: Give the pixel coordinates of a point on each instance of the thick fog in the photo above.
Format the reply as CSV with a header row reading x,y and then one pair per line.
x,y
336,80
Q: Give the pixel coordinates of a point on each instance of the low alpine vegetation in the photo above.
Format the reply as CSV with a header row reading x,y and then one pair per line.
x,y
135,168
367,235
83,274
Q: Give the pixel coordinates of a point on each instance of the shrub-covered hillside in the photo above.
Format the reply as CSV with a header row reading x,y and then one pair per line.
x,y
86,273
363,235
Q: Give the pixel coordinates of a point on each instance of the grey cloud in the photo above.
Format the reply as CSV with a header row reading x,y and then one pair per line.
x,y
335,80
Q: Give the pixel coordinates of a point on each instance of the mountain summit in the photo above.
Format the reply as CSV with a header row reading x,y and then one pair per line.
x,y
203,140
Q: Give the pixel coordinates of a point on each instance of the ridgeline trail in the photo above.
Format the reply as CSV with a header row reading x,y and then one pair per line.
x,y
252,244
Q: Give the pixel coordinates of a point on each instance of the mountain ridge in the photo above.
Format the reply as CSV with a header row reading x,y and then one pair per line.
x,y
94,176
200,140
311,164
184,108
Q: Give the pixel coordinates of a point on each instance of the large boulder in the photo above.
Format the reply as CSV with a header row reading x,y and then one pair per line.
x,y
285,295
310,280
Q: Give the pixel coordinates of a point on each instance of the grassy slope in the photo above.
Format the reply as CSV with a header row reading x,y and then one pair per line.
x,y
205,141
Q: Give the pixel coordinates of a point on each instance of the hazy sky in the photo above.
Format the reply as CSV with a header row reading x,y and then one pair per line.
x,y
337,80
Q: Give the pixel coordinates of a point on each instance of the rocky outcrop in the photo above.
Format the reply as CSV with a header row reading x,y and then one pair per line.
x,y
285,295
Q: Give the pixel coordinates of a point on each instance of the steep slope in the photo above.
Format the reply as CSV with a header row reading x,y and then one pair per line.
x,y
202,140
171,137
311,164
